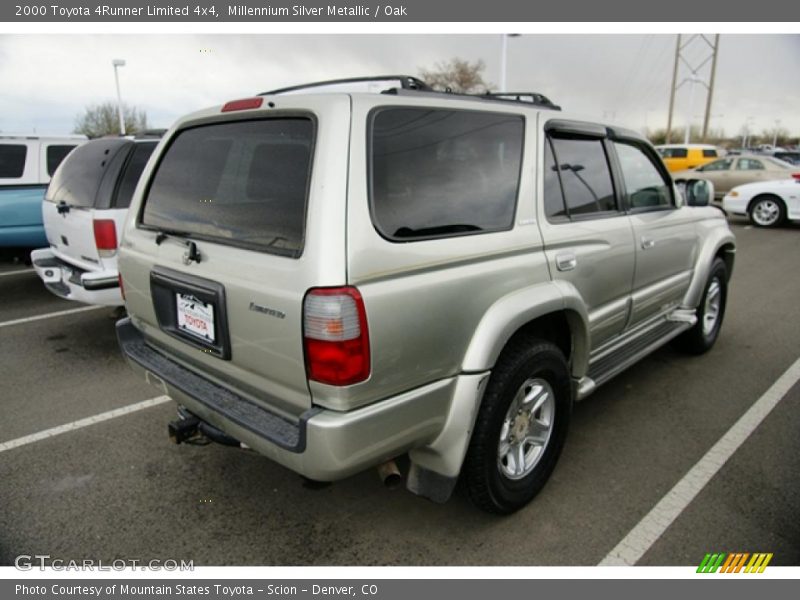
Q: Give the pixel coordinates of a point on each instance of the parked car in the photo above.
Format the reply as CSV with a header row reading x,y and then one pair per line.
x,y
729,172
84,209
789,156
334,280
26,164
766,203
679,157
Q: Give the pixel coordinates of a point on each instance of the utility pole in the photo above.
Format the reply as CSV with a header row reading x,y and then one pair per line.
x,y
672,88
693,76
711,88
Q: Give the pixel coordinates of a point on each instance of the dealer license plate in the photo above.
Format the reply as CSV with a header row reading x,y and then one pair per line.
x,y
195,317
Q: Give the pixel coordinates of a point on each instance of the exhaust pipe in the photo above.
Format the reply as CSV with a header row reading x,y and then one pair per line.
x,y
390,474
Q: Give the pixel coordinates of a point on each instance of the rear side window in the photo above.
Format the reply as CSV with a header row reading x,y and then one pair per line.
x,y
709,154
244,183
717,165
673,152
438,173
749,164
12,160
644,185
55,154
585,175
130,176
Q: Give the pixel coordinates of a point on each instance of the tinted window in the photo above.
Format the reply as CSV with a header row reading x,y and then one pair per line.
x,y
244,183
717,165
12,160
749,164
644,185
130,176
709,153
790,157
55,154
673,152
553,196
78,180
585,175
443,172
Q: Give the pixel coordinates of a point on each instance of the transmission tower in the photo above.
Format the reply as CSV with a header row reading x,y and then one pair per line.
x,y
691,71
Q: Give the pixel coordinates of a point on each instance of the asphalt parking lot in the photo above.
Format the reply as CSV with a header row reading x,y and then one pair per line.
x,y
119,489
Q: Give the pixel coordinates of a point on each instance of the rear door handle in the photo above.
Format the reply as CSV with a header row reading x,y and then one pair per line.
x,y
566,261
648,243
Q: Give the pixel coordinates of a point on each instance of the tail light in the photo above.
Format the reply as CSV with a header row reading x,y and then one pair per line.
x,y
796,176
105,237
335,336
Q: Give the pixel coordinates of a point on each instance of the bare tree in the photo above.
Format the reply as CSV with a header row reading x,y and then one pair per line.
x,y
103,119
457,75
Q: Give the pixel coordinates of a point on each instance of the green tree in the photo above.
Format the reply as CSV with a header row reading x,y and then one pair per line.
x,y
457,75
103,119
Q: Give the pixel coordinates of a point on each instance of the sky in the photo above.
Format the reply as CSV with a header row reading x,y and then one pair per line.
x,y
48,79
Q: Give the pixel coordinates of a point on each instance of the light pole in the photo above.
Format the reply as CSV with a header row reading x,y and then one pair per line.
x,y
504,59
118,62
775,137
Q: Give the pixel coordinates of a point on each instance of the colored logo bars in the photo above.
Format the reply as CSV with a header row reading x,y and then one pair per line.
x,y
735,562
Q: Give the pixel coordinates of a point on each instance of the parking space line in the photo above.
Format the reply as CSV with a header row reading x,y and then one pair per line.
x,y
54,431
655,523
17,272
50,315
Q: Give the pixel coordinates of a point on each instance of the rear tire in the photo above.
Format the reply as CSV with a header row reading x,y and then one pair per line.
x,y
702,336
767,211
521,426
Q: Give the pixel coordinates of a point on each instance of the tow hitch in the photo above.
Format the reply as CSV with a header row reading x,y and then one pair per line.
x,y
190,429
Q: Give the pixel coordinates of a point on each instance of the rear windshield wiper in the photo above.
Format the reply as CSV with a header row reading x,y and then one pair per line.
x,y
163,234
404,232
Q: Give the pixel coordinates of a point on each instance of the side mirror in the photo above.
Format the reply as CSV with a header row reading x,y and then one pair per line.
x,y
696,192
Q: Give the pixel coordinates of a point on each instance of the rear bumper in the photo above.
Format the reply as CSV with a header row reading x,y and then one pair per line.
x,y
69,282
321,444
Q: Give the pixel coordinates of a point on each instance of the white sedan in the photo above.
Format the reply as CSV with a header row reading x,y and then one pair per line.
x,y
767,203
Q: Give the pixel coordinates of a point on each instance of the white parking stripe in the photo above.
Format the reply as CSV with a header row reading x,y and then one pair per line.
x,y
54,431
50,315
18,272
663,514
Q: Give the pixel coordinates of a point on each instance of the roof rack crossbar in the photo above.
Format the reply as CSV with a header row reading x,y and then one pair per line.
x,y
529,98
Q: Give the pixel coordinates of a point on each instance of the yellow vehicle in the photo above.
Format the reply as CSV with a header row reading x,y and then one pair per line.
x,y
679,157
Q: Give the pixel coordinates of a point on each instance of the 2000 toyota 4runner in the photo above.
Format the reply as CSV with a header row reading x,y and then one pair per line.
x,y
337,279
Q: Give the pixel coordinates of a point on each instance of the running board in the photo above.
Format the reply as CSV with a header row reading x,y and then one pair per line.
x,y
616,360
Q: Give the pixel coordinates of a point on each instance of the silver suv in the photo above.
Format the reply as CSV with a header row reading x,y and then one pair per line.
x,y
338,279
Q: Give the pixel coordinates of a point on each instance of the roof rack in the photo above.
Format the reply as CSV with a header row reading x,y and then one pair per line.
x,y
408,85
406,82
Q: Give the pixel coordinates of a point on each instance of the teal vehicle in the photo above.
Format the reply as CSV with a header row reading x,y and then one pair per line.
x,y
26,164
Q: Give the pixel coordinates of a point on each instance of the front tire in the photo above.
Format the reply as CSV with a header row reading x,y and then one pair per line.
x,y
521,426
702,336
767,211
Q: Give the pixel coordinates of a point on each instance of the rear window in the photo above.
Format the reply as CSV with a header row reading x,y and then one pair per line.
x,y
130,176
78,180
244,183
12,160
439,173
55,154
